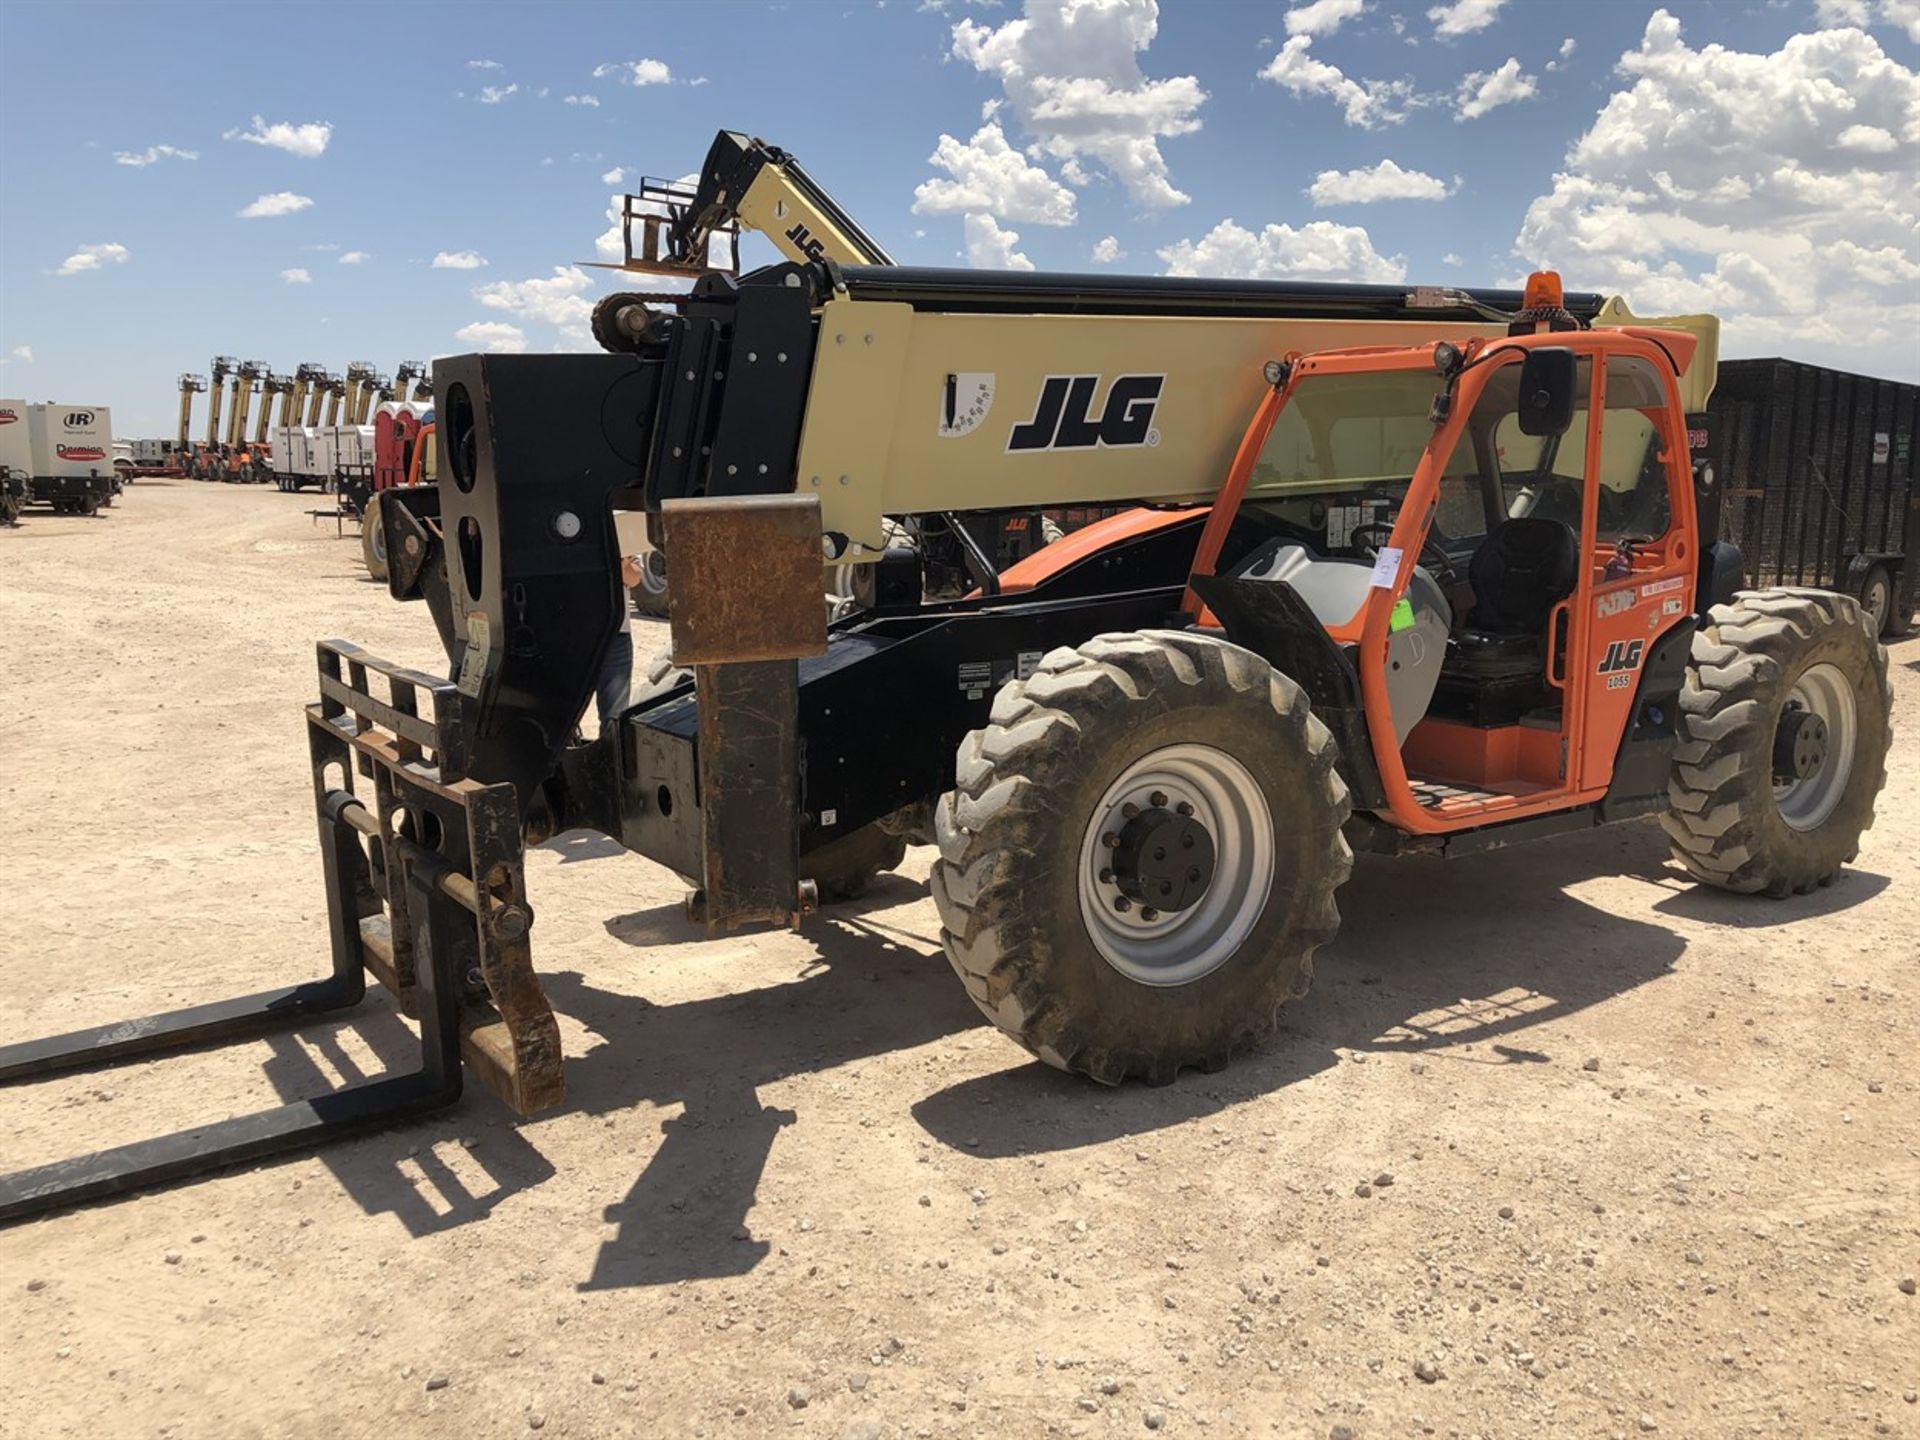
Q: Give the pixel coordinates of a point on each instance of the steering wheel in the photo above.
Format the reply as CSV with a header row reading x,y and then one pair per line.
x,y
1432,557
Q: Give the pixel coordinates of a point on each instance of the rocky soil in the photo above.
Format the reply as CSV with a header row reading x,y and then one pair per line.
x,y
1559,1145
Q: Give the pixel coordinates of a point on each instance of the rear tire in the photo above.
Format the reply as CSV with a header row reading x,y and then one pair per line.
x,y
1049,953
373,539
650,595
1752,808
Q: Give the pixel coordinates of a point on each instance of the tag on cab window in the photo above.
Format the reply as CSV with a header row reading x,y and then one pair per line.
x,y
1402,616
1386,567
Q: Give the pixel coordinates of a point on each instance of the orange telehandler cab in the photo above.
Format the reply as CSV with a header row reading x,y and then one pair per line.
x,y
1500,604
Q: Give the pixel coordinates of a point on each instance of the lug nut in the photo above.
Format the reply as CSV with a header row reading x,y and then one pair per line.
x,y
1129,810
1183,808
1106,877
1158,799
1110,840
1122,904
1147,912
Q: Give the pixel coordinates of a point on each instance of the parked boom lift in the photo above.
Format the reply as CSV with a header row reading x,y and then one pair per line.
x,y
1420,571
190,386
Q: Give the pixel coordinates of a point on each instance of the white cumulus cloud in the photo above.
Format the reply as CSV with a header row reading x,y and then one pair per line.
x,y
1108,250
355,257
991,248
558,300
458,260
1463,17
1485,90
281,202
1368,104
92,257
494,94
485,65
636,72
613,176
152,154
496,337
1071,72
297,277
1567,47
1318,250
22,352
308,140
1322,17
1753,185
1900,14
590,101
1385,181
989,175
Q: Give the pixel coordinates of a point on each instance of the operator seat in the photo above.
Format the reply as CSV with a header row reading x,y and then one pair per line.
x,y
1522,569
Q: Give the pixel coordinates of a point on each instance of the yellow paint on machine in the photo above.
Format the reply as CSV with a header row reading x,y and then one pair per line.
x,y
872,443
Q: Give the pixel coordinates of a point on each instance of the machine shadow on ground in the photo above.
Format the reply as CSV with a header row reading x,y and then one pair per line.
x,y
1433,956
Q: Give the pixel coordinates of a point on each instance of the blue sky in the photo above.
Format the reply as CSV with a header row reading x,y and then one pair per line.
x,y
1753,158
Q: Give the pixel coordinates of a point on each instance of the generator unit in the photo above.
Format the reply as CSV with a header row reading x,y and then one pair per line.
x,y
71,464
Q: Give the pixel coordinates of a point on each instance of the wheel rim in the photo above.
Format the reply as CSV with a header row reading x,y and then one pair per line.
x,y
1822,692
1874,602
1176,947
653,574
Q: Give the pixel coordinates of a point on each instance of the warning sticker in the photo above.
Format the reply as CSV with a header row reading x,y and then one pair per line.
x,y
1661,587
976,677
1386,567
1026,662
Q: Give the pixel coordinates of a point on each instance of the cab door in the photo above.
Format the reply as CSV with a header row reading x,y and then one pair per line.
x,y
1637,538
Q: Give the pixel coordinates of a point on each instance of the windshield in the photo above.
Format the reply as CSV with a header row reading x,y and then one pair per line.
x,y
1349,432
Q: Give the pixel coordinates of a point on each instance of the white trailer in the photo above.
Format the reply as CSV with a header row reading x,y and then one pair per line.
x,y
16,460
71,457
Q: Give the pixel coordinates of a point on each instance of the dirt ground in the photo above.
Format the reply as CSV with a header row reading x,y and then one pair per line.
x,y
1558,1146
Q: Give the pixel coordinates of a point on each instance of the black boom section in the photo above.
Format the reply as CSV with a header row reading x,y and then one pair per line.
x,y
1039,292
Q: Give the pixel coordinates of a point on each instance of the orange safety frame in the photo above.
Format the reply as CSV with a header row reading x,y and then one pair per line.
x,y
1591,739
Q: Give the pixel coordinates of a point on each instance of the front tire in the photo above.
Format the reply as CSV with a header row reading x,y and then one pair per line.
x,y
1785,720
1112,959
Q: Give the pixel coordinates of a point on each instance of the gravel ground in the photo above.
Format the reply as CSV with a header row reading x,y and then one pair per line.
x,y
1560,1145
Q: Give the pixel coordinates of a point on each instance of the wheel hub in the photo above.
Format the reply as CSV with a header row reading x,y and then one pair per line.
x,y
1799,746
1176,864
1164,860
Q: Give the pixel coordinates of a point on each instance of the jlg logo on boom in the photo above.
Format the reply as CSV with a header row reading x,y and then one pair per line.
x,y
810,247
1064,418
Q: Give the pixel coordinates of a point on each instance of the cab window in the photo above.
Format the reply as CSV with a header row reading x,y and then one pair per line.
x,y
1634,501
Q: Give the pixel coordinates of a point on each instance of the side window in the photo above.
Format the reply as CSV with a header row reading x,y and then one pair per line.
x,y
1539,475
1634,498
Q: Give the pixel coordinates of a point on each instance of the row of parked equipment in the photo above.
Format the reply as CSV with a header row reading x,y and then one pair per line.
x,y
321,432
56,455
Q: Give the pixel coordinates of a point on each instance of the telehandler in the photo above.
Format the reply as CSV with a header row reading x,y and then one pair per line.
x,y
1412,571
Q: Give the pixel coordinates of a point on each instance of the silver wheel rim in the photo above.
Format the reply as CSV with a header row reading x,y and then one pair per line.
x,y
1875,601
1180,948
1823,690
653,574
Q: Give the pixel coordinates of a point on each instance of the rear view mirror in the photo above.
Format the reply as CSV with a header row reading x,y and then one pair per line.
x,y
1548,390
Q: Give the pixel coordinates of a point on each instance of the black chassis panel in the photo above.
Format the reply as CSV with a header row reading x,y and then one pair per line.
x,y
882,714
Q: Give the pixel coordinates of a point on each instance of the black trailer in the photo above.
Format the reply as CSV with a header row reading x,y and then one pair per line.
x,y
1816,480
